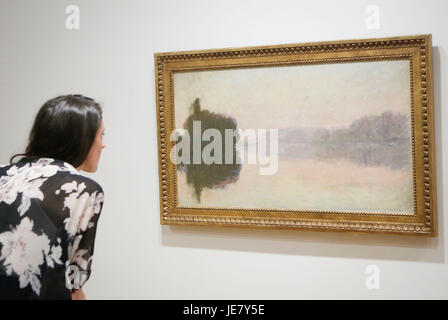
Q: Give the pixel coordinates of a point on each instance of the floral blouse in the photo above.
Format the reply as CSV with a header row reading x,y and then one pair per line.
x,y
48,219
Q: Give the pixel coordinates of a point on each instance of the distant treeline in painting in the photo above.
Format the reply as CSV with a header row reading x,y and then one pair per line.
x,y
372,140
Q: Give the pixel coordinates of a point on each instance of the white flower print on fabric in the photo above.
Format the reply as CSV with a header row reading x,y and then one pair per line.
x,y
26,181
23,251
68,167
77,255
82,206
30,256
81,259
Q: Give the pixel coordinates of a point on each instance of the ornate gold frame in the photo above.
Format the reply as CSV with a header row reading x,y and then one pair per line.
x,y
417,49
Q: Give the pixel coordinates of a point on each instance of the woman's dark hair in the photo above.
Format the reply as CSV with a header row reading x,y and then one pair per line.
x,y
64,129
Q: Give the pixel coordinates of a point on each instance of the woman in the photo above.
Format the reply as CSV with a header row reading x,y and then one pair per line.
x,y
48,210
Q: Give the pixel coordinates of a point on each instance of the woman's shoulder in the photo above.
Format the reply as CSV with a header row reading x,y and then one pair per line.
x,y
70,181
46,172
70,176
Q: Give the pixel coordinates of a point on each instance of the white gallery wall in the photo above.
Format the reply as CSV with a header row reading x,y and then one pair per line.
x,y
110,58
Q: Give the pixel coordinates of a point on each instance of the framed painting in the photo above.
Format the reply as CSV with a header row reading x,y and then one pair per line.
x,y
334,136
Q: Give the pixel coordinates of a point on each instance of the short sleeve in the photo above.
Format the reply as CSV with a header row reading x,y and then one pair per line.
x,y
83,203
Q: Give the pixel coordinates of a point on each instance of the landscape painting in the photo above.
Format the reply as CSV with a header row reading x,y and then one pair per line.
x,y
322,136
343,131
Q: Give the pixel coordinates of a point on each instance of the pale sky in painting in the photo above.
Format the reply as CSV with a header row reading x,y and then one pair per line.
x,y
297,96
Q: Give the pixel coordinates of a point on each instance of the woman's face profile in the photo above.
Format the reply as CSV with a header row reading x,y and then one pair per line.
x,y
91,162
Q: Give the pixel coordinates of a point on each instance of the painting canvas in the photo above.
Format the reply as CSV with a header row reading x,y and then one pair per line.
x,y
319,140
344,138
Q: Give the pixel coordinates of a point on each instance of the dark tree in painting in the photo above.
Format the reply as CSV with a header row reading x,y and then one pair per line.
x,y
214,175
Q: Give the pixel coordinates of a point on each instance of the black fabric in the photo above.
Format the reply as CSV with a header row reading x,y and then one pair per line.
x,y
48,219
